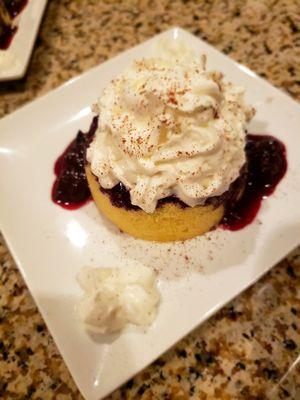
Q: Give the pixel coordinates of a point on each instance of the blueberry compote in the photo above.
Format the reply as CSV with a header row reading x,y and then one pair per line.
x,y
70,189
6,36
13,8
266,165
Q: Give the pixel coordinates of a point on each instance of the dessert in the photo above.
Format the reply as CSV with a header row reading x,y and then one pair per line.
x,y
178,169
168,130
115,297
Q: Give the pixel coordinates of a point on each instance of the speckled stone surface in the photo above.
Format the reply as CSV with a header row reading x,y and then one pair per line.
x,y
249,350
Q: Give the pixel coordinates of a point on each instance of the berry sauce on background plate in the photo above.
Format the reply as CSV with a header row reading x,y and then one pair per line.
x,y
266,166
13,8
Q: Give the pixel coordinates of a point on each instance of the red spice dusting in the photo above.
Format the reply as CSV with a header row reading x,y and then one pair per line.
x,y
172,99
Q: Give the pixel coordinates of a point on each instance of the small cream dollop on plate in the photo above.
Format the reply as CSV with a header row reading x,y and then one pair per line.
x,y
115,297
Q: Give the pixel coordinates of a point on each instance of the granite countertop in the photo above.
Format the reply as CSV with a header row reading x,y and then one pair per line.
x,y
248,350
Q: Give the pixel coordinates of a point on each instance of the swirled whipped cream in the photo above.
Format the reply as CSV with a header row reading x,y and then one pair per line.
x,y
114,297
169,127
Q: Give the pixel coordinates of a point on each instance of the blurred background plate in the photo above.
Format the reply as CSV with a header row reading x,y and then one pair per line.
x,y
14,60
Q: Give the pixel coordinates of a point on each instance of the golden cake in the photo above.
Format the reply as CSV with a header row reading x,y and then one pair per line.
x,y
170,222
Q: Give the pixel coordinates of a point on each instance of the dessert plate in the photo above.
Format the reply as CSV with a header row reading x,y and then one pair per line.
x,y
196,277
14,60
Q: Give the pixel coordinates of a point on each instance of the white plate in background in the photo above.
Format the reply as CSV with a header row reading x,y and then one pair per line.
x,y
197,277
15,59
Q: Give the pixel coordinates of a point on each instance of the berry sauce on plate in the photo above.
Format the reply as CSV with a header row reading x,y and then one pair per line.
x,y
70,189
265,167
13,8
6,37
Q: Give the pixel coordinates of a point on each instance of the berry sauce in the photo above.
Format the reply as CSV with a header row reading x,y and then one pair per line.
x,y
70,189
265,167
6,37
13,7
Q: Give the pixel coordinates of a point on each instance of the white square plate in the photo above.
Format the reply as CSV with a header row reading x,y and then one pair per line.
x,y
16,58
197,277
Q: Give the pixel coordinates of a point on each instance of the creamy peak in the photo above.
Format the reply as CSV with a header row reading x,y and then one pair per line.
x,y
115,297
168,126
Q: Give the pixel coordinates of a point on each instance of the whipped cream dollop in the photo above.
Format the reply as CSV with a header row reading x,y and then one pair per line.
x,y
167,126
114,297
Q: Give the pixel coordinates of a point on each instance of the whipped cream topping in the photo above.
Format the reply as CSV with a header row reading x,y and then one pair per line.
x,y
167,126
114,297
